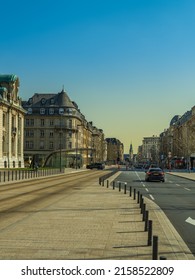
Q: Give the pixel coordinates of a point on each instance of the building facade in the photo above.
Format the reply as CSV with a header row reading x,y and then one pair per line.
x,y
177,142
150,148
55,128
11,123
115,151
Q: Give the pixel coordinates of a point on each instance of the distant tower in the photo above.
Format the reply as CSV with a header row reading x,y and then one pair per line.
x,y
131,152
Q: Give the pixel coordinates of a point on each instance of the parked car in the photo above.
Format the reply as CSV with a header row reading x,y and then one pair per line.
x,y
96,165
155,174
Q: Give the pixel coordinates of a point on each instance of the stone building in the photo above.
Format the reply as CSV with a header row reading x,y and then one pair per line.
x,y
177,142
11,123
150,148
115,151
58,134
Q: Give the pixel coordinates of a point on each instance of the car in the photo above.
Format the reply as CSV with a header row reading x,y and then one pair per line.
x,y
155,174
96,165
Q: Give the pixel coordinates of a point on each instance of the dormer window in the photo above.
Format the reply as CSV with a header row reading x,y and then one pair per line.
x,y
61,111
51,111
43,101
29,111
42,111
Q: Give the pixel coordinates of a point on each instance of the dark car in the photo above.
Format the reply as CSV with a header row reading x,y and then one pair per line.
x,y
155,174
96,165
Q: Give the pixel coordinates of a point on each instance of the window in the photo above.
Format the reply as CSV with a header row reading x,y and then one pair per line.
x,y
29,111
51,134
51,145
29,122
51,111
43,101
4,118
61,111
29,133
51,123
42,133
70,123
42,122
70,145
29,144
41,145
42,111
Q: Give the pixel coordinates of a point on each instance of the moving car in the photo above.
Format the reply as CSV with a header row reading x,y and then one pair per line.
x,y
96,165
155,174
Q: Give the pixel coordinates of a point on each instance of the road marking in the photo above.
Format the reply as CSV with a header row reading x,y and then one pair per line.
x,y
146,189
143,185
187,189
151,197
178,185
190,221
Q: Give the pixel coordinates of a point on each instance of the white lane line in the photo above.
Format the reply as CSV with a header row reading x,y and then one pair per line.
x,y
151,197
187,189
146,189
178,185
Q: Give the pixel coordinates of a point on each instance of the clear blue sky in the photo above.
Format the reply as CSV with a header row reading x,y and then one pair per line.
x,y
128,64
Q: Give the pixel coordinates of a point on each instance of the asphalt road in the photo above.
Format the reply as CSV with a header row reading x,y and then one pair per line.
x,y
176,197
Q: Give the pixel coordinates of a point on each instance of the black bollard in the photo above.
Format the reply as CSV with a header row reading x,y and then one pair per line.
x,y
134,194
146,220
119,186
138,196
130,191
107,183
125,188
113,185
149,233
155,248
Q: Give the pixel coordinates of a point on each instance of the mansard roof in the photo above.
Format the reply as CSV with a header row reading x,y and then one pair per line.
x,y
47,99
8,78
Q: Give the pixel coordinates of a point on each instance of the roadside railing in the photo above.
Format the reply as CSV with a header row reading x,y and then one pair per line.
x,y
22,174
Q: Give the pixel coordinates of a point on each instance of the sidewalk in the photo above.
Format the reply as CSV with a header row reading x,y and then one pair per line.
x,y
187,175
93,223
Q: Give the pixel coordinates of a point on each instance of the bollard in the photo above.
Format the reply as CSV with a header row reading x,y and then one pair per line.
x,y
134,194
119,186
130,191
99,180
143,211
138,196
107,183
155,248
140,201
103,182
149,233
4,176
125,188
146,220
113,185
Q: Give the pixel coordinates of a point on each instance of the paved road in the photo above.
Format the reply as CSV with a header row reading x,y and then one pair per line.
x,y
176,197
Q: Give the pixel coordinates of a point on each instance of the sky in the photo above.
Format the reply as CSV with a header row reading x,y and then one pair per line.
x,y
128,64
